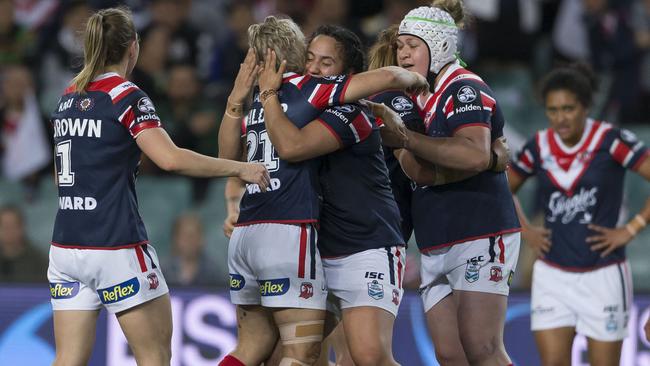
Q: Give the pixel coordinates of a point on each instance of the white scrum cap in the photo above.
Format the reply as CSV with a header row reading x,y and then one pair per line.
x,y
437,29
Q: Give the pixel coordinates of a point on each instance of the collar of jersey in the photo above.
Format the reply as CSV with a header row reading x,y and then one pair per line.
x,y
573,149
106,75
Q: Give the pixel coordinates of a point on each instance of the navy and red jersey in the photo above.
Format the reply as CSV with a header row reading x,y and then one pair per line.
x,y
292,197
400,183
97,162
580,185
358,210
477,207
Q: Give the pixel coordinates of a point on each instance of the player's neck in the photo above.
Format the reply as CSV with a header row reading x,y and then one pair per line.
x,y
119,69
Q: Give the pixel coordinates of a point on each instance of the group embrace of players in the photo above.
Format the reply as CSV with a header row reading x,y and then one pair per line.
x,y
342,165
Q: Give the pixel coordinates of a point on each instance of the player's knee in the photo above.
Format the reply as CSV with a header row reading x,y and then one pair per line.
x,y
306,353
69,359
479,348
450,355
371,355
302,340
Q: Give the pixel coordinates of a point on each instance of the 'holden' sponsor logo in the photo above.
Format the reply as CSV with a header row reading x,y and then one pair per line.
x,y
64,290
147,117
468,108
568,207
274,287
120,291
237,282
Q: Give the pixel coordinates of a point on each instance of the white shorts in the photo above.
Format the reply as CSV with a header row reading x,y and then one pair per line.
x,y
482,265
277,266
596,303
369,278
87,279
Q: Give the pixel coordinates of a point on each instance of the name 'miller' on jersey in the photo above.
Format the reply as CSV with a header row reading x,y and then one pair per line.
x,y
292,197
477,207
580,185
97,161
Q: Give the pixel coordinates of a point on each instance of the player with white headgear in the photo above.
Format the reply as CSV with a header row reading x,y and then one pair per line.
x,y
467,231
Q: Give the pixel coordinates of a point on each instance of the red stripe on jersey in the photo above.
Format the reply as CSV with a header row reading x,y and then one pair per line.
x,y
449,106
302,254
322,95
379,121
135,130
433,99
488,101
70,89
290,77
502,251
106,84
480,124
525,158
620,152
305,78
331,130
124,94
564,159
128,118
243,126
140,255
363,126
638,163
398,254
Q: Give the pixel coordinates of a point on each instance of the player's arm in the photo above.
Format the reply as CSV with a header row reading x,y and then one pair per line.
x,y
230,130
468,149
375,81
155,142
232,193
609,239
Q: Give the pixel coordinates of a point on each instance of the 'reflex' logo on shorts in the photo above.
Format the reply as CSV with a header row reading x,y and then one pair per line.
x,y
275,287
64,290
237,282
120,291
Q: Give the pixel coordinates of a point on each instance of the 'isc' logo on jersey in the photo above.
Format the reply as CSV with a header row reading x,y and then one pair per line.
x,y
120,291
237,282
64,290
274,287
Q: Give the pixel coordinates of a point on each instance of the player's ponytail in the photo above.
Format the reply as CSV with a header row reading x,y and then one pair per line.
x,y
577,78
455,8
384,51
108,35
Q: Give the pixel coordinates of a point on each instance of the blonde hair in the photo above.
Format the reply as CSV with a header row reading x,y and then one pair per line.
x,y
455,8
282,36
109,32
383,52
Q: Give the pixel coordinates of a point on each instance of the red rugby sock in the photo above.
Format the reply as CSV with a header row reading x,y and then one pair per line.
x,y
231,361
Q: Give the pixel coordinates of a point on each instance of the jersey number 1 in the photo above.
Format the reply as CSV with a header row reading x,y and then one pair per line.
x,y
65,176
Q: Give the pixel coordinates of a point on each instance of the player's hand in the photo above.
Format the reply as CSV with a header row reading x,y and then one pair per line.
x,y
502,151
255,173
248,71
229,223
270,77
608,239
420,85
539,239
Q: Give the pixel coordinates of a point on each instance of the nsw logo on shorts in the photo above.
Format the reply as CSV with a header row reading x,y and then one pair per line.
x,y
275,287
120,291
375,290
64,290
237,282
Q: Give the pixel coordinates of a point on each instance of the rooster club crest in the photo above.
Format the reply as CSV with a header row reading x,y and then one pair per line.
x,y
496,275
306,290
153,281
395,297
85,104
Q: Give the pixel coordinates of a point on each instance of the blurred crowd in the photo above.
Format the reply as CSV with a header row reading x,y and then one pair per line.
x,y
190,54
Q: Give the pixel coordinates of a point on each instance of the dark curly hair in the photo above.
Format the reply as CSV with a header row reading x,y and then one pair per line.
x,y
348,43
577,78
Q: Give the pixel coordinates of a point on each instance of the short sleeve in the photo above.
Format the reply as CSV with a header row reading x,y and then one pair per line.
x,y
323,92
466,105
348,123
526,162
626,149
137,113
